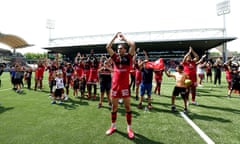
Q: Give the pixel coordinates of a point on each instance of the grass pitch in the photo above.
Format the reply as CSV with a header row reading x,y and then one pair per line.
x,y
29,118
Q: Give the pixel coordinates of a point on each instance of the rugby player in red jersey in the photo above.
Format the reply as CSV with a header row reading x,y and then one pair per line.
x,y
122,62
190,68
39,75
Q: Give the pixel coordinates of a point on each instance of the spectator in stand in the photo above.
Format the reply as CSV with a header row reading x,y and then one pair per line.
x,y
122,62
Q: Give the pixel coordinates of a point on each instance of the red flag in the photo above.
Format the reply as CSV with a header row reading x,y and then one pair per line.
x,y
158,64
149,65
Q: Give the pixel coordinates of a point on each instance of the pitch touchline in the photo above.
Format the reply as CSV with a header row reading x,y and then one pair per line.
x,y
197,129
5,89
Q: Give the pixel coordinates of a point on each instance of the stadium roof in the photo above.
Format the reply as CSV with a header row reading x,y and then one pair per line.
x,y
4,51
13,41
164,46
167,44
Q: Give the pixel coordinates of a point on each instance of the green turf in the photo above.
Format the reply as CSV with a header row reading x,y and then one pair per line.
x,y
29,118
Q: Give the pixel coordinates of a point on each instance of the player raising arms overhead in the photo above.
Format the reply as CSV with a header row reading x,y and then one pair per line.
x,y
122,62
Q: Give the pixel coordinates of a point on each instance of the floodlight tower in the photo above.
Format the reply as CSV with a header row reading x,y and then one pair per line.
x,y
223,8
50,25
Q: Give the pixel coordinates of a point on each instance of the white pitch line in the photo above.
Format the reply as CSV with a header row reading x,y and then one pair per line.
x,y
197,129
5,89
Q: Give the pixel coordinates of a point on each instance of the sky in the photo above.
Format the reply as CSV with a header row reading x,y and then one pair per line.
x,y
28,18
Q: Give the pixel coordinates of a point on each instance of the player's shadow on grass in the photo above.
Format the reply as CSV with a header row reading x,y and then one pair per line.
x,y
209,93
21,93
68,106
208,118
3,109
105,107
139,139
45,91
206,90
40,91
221,108
73,104
157,107
122,111
160,107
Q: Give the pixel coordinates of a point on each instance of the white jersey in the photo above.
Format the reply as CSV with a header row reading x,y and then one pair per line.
x,y
59,83
200,70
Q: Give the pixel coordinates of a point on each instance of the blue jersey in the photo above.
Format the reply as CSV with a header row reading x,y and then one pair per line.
x,y
147,75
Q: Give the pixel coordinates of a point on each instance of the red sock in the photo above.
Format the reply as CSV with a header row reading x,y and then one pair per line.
x,y
114,117
129,117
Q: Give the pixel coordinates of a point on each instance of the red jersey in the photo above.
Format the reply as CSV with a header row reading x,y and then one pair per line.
x,y
138,76
228,74
190,68
93,75
78,68
132,71
51,70
120,78
39,72
208,69
93,72
86,69
158,75
36,74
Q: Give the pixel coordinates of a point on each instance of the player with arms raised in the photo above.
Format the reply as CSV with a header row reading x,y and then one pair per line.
x,y
122,62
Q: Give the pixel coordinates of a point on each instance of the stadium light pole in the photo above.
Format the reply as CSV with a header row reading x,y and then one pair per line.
x,y
50,26
223,8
